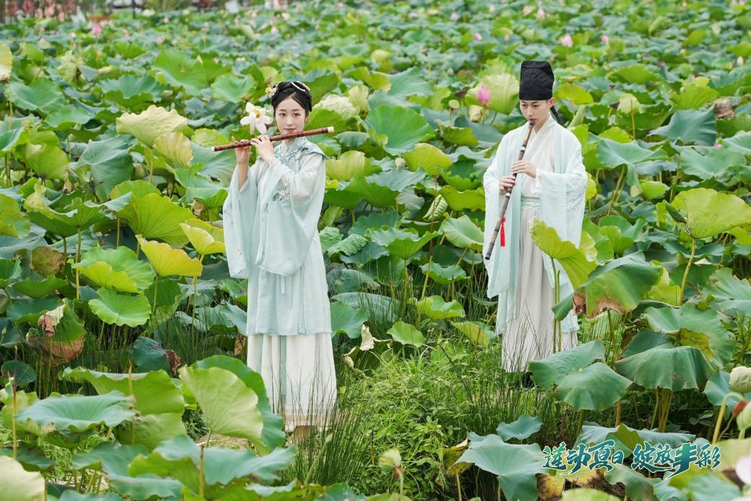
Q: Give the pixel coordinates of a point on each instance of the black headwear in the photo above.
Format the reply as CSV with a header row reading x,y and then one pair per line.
x,y
536,82
294,89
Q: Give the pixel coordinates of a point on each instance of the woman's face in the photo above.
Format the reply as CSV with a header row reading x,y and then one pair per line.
x,y
290,116
536,111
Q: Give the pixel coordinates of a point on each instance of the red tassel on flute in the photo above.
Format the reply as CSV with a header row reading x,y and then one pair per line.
x,y
503,232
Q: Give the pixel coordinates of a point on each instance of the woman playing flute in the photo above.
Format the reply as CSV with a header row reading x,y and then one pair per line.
x,y
550,184
271,236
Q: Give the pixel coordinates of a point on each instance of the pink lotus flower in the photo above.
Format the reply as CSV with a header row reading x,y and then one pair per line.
x,y
743,469
567,41
483,95
526,10
340,5
717,145
285,15
454,16
274,30
96,30
507,37
478,37
159,40
605,39
491,8
412,15
540,14
166,20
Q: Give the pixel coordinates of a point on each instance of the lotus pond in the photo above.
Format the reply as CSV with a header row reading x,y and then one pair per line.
x,y
121,339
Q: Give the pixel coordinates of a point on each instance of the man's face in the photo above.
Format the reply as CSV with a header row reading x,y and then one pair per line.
x,y
536,111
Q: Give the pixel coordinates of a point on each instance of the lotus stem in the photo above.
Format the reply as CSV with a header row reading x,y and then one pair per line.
x,y
688,267
13,418
201,480
78,258
153,305
617,191
458,485
716,435
633,123
117,237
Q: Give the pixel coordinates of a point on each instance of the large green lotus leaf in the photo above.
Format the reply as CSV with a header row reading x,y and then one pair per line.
x,y
138,188
478,333
444,275
596,387
78,213
152,429
459,136
613,154
6,62
396,129
18,484
620,285
181,70
35,288
150,124
406,334
229,406
664,366
155,392
401,243
636,74
463,233
132,92
382,188
109,457
175,147
691,326
41,96
464,200
168,261
436,308
637,485
78,414
29,310
232,88
21,372
12,138
118,269
374,220
577,94
554,368
504,92
718,387
110,163
408,83
740,143
712,163
349,165
156,216
180,458
353,244
69,117
347,319
626,437
690,126
204,240
695,95
573,259
431,159
273,433
520,429
515,465
711,213
12,222
729,295
10,269
375,194
46,160
121,309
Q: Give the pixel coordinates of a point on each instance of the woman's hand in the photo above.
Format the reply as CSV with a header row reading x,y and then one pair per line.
x,y
264,148
524,167
505,184
242,154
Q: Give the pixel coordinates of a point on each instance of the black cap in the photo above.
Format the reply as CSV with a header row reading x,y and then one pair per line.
x,y
536,82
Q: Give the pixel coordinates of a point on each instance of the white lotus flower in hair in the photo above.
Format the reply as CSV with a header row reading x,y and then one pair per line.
x,y
256,118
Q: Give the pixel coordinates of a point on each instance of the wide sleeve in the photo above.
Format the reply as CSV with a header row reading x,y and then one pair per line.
x,y
290,207
238,215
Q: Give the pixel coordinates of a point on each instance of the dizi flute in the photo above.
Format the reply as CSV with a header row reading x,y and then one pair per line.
x,y
281,137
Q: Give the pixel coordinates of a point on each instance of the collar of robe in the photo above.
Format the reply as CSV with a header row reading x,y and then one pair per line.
x,y
293,145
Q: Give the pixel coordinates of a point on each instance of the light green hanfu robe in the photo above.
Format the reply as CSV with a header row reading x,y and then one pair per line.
x,y
519,273
271,238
